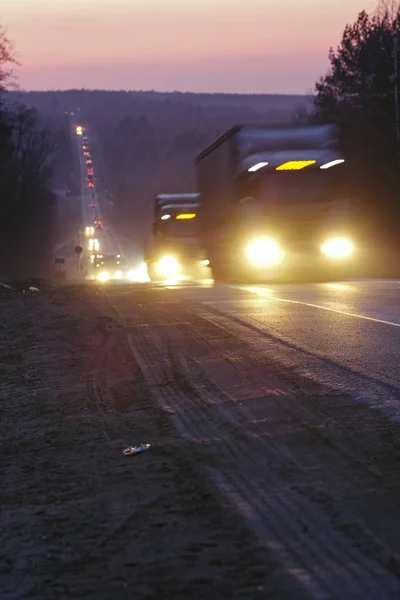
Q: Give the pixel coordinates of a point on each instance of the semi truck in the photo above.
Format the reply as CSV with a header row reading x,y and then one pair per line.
x,y
274,203
174,249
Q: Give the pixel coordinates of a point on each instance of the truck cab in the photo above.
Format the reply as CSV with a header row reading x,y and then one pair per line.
x,y
174,249
107,266
274,203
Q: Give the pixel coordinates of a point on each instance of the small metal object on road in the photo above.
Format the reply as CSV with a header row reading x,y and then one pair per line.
x,y
135,449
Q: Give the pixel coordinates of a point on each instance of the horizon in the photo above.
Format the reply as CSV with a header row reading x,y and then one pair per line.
x,y
136,91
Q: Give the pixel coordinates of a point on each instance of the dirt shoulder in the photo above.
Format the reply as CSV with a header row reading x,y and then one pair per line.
x,y
78,518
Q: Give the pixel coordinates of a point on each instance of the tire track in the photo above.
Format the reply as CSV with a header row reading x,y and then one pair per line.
x,y
321,561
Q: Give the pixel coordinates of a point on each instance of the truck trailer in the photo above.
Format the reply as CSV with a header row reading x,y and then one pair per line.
x,y
174,249
274,203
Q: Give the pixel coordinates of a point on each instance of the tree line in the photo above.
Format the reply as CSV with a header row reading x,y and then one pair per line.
x,y
26,201
360,93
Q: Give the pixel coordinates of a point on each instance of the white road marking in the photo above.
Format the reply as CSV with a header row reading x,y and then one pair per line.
x,y
310,304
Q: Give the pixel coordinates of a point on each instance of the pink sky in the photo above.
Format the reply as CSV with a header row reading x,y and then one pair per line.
x,y
244,46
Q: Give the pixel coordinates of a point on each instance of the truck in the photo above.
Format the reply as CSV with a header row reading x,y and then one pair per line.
x,y
174,249
274,204
107,266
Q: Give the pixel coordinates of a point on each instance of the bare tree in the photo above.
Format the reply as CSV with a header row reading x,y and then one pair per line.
x,y
7,60
32,151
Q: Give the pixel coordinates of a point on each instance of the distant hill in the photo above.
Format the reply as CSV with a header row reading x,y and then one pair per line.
x,y
147,141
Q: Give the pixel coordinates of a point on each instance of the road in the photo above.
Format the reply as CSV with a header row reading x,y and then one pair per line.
x,y
91,208
288,399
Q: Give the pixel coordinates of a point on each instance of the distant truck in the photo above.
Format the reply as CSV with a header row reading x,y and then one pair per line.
x,y
273,203
174,247
107,266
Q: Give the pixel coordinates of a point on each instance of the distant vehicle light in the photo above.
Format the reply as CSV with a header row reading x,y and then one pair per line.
x,y
333,163
295,165
165,217
90,184
118,274
118,256
103,276
205,262
185,216
256,167
168,266
338,248
263,252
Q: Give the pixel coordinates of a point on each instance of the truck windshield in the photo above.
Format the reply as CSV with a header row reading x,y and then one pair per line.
x,y
110,260
178,228
308,185
298,185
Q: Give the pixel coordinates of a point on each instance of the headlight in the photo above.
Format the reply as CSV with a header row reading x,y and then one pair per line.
x,y
205,262
168,266
103,276
337,248
263,252
118,274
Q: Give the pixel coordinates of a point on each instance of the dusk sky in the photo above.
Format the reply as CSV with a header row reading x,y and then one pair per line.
x,y
239,46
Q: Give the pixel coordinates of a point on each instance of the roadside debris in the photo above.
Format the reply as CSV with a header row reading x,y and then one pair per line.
x,y
33,289
135,449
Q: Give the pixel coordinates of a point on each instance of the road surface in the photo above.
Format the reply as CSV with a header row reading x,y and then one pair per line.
x,y
290,396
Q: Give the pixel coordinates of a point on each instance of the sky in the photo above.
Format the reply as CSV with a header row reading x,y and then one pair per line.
x,y
231,46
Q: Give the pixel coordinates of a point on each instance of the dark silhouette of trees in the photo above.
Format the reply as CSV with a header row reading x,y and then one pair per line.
x,y
26,202
361,94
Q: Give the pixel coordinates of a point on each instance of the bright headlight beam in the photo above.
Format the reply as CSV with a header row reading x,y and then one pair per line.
x,y
263,251
168,266
337,248
332,163
256,167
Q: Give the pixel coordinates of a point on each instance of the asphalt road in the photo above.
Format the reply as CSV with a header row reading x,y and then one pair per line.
x,y
345,335
91,210
290,396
